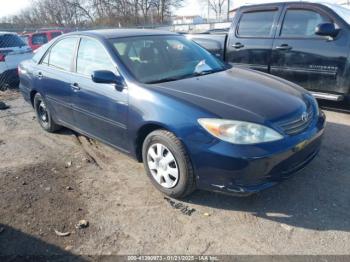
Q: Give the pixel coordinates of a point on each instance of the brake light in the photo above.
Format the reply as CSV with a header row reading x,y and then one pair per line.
x,y
2,57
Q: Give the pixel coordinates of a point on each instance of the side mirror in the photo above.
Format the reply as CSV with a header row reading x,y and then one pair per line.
x,y
108,77
326,29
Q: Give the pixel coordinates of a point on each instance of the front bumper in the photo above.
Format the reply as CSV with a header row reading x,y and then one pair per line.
x,y
244,170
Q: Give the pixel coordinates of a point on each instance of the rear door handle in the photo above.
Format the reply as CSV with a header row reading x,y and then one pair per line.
x,y
75,86
40,75
238,45
284,47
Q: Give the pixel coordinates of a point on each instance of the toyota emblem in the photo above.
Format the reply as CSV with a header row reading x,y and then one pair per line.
x,y
305,117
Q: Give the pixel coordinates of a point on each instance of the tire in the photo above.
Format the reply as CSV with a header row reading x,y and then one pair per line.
x,y
43,115
161,169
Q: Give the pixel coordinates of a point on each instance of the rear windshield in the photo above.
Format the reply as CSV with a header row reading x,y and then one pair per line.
x,y
10,40
39,39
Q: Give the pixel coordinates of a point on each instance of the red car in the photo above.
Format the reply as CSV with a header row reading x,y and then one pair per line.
x,y
35,40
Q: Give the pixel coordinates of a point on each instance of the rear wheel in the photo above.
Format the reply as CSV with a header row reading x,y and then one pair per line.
x,y
167,164
43,114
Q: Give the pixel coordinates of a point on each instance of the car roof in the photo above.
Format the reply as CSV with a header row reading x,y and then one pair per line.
x,y
119,33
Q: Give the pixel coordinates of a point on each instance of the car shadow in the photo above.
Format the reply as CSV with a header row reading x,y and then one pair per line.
x,y
342,107
18,246
316,198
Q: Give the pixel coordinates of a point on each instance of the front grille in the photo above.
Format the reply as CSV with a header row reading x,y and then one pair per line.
x,y
298,125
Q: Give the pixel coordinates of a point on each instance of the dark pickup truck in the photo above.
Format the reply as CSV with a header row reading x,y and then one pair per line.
x,y
306,43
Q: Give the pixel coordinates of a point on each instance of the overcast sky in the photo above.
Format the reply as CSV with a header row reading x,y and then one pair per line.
x,y
10,7
191,7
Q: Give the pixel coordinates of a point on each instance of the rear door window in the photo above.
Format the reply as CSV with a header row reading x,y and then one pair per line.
x,y
257,23
39,39
62,54
302,23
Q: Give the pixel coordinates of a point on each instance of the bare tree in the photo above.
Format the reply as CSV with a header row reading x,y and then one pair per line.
x,y
77,13
217,7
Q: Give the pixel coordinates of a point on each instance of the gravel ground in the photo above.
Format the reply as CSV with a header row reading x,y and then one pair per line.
x,y
49,182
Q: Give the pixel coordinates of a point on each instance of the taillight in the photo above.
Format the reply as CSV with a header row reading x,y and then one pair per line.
x,y
2,57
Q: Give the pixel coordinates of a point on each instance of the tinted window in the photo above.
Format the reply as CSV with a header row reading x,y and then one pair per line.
x,y
10,40
55,34
62,54
256,23
39,39
154,59
301,23
91,57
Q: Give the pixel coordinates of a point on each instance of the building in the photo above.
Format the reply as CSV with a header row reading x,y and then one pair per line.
x,y
181,20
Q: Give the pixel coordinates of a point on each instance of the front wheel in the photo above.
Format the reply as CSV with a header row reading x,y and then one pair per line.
x,y
167,164
43,115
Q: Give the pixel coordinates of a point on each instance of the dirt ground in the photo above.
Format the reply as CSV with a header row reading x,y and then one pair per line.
x,y
49,182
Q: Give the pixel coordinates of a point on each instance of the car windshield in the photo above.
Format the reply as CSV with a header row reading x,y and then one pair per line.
x,y
156,59
343,12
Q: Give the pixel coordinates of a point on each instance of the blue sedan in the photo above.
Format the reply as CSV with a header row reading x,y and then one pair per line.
x,y
193,121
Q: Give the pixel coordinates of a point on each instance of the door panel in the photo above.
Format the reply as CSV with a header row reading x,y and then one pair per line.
x,y
55,86
99,109
316,63
54,78
250,44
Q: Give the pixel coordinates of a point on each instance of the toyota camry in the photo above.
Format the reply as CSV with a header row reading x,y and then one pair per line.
x,y
193,121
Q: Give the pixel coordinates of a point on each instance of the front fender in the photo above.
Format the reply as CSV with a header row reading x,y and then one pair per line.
x,y
150,107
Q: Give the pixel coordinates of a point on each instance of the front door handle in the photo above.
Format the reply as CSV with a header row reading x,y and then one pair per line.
x,y
75,86
284,47
238,45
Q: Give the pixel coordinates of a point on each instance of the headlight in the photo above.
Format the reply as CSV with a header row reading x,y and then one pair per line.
x,y
238,132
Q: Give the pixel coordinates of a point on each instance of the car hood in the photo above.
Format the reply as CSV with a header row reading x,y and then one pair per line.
x,y
240,94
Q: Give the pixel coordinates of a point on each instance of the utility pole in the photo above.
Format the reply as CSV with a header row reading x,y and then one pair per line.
x,y
208,11
228,10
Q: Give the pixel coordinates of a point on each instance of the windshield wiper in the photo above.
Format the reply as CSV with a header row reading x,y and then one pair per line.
x,y
207,72
170,79
166,79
